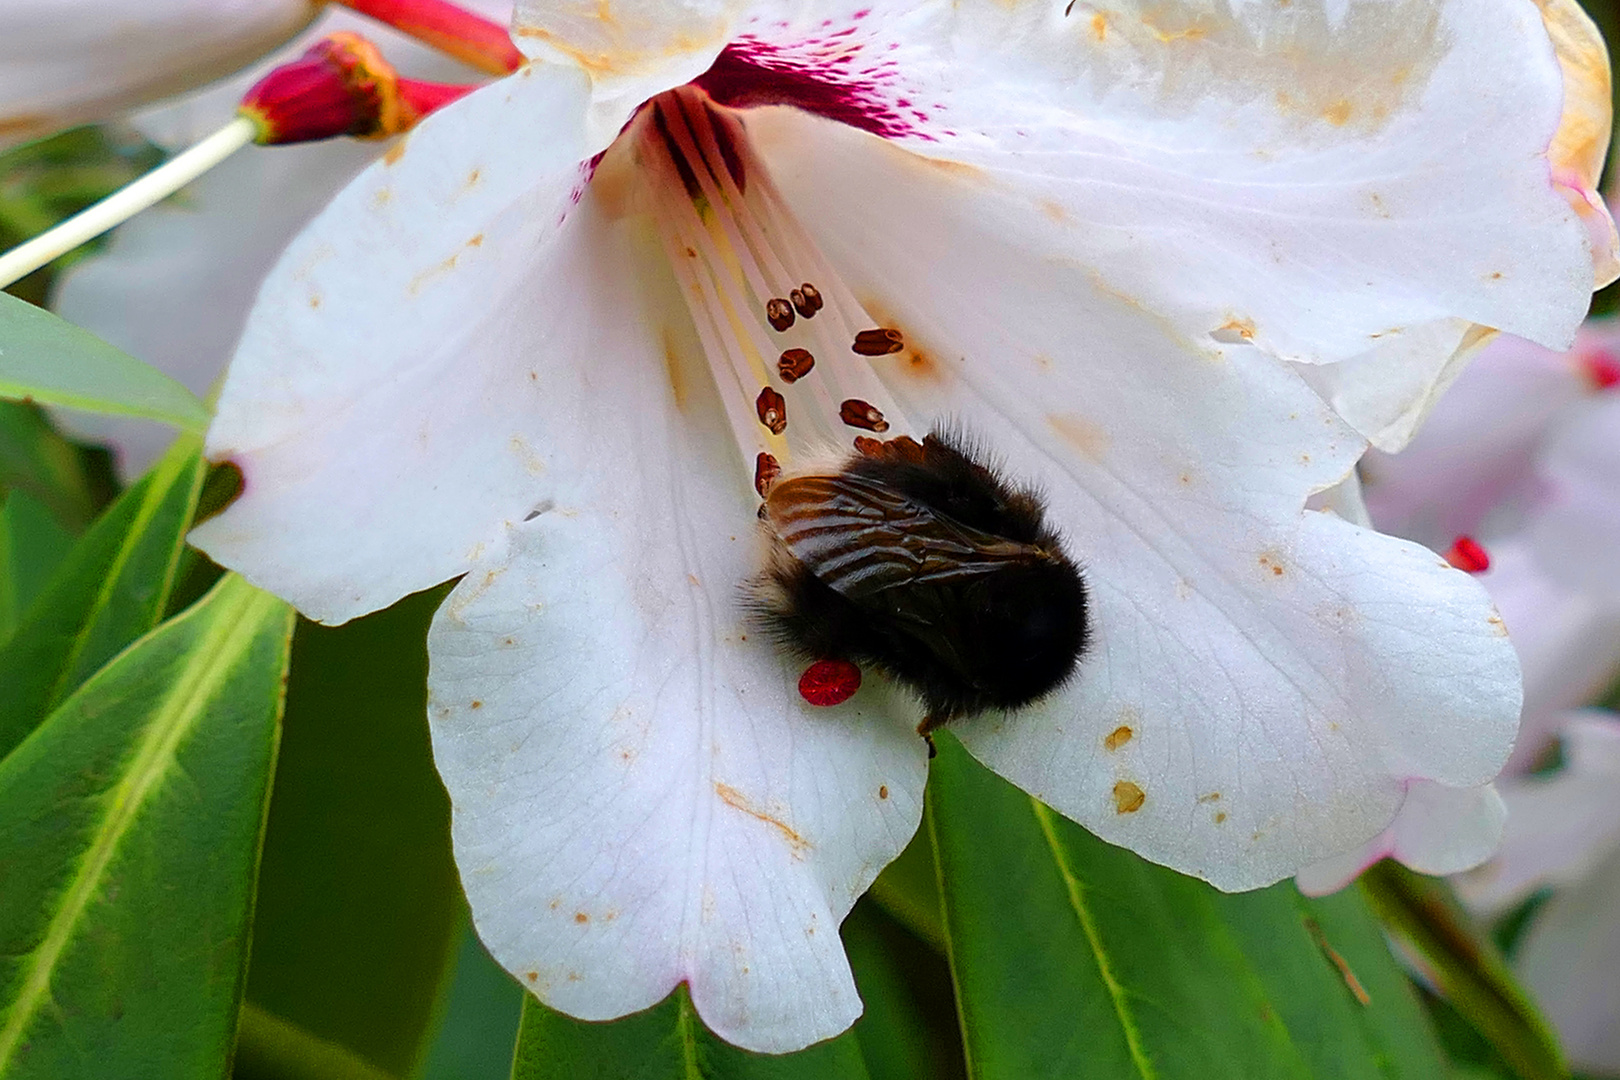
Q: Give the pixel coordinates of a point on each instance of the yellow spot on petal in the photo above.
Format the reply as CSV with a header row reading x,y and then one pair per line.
x,y
1128,798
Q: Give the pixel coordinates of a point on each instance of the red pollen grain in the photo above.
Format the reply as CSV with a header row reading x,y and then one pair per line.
x,y
1467,555
829,682
1602,368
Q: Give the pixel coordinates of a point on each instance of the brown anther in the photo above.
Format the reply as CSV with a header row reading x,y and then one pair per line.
x,y
779,313
879,342
794,364
857,413
868,446
772,410
807,298
766,470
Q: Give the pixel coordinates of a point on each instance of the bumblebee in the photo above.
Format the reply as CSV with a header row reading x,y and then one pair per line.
x,y
919,560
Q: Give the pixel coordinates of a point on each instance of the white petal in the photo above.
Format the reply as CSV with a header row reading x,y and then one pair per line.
x,y
640,796
65,62
1568,643
381,455
1576,532
1283,675
1568,961
1471,469
174,285
1387,392
1439,830
1559,827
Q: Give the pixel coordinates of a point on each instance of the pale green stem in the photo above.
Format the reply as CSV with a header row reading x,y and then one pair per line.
x,y
127,201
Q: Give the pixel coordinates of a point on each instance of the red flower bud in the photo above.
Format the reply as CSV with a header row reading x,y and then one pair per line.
x,y
341,86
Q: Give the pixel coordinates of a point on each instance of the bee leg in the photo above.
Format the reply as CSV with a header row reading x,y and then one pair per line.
x,y
926,730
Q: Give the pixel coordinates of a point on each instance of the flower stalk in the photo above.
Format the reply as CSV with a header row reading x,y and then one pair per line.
x,y
341,86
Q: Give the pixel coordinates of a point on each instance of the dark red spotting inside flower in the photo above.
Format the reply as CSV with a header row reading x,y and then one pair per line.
x,y
1467,555
836,75
829,682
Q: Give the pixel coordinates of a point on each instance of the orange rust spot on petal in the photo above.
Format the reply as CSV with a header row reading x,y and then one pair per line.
x,y
1088,438
1128,798
1118,737
581,917
477,705
1099,26
476,241
1338,113
533,976
1213,796
883,791
1220,816
738,801
1270,560
394,153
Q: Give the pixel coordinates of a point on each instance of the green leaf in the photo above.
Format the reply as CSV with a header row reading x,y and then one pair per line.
x,y
111,589
1466,968
665,1042
32,544
36,459
477,1029
269,1047
1073,957
129,832
909,1030
359,907
49,360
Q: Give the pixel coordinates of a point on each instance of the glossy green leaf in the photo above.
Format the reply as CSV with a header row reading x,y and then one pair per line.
x,y
1073,957
47,359
111,589
32,544
129,831
665,1042
1466,968
269,1047
359,906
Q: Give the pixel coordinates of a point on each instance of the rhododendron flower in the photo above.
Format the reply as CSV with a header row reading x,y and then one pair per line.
x,y
550,341
1563,832
1519,465
65,62
173,285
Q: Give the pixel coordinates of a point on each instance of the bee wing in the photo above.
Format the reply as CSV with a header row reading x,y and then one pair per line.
x,y
861,538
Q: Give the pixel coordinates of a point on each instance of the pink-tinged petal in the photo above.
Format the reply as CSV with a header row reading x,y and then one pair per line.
x,y
1581,144
1471,470
1576,531
1560,827
65,62
1568,962
174,284
1568,644
1263,682
382,453
640,796
1439,830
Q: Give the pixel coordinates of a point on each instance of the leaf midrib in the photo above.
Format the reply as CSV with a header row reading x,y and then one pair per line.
x,y
172,721
1088,925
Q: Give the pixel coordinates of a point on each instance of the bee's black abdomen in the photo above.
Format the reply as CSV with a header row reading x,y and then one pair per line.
x,y
919,561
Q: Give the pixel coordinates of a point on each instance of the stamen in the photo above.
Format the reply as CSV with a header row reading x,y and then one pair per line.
x,y
806,300
794,364
879,342
766,470
746,269
779,312
772,410
857,413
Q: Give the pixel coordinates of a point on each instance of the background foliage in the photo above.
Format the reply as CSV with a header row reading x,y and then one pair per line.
x,y
225,851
